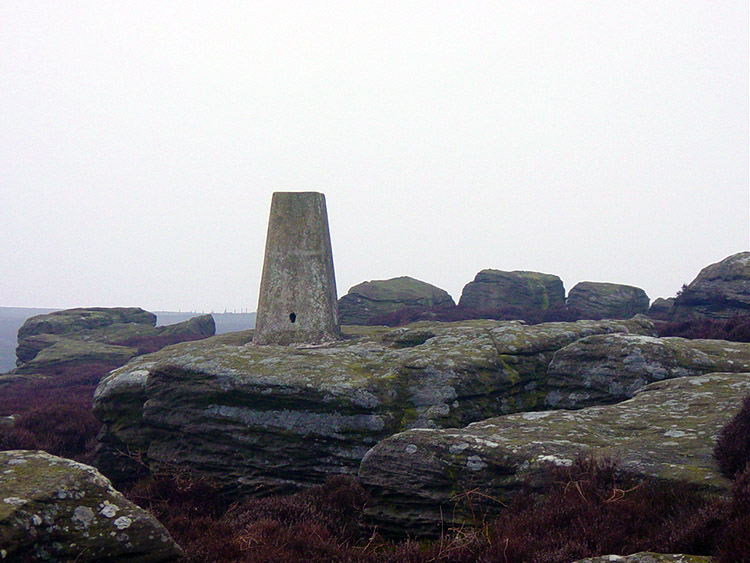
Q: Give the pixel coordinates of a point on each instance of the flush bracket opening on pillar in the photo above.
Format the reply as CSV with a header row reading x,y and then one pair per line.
x,y
292,318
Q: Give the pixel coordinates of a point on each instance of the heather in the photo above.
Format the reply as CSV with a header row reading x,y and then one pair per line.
x,y
735,328
52,410
587,509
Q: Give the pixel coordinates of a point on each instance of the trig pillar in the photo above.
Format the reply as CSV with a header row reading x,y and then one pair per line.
x,y
297,301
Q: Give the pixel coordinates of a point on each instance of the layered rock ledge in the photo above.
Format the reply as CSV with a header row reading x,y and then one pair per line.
x,y
665,432
263,419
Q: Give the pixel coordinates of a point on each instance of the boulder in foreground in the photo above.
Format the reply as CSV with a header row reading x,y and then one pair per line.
x,y
55,509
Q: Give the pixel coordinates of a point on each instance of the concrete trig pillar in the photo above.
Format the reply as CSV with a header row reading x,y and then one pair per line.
x,y
297,301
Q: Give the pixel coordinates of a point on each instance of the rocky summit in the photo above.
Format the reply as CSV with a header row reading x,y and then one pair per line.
x,y
55,509
667,431
368,300
264,419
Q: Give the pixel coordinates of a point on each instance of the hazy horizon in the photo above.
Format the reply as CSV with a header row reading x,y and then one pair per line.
x,y
593,140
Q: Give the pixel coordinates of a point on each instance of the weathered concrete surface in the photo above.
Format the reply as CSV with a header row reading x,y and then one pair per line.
x,y
297,301
270,418
55,509
368,300
720,290
666,432
495,289
598,300
603,369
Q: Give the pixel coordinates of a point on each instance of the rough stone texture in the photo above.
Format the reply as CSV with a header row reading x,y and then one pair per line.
x,y
270,418
202,325
92,335
661,308
370,299
76,320
609,368
598,300
495,289
55,509
647,557
297,301
666,432
56,351
720,290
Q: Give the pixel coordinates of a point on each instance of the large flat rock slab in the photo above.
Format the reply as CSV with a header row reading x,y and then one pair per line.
x,y
665,432
271,418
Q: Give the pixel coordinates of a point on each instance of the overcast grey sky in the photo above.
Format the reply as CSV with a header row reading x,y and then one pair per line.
x,y
140,142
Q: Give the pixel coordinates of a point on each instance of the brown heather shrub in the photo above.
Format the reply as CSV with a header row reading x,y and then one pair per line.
x,y
734,546
735,329
732,449
588,509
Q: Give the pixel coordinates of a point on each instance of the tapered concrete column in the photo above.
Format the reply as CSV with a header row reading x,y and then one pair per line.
x,y
297,301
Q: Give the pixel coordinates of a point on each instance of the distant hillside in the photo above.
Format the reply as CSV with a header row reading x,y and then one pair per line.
x,y
11,319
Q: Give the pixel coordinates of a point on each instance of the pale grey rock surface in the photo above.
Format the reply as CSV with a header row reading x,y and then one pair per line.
x,y
665,432
495,289
368,300
603,369
263,419
55,509
598,300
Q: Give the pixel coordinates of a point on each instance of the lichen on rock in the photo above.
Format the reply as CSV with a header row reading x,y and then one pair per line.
x,y
56,509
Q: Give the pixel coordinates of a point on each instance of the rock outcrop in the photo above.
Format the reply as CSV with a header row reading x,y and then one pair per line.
x,y
598,300
264,419
76,320
604,369
720,291
371,299
666,432
496,289
55,509
661,308
96,335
